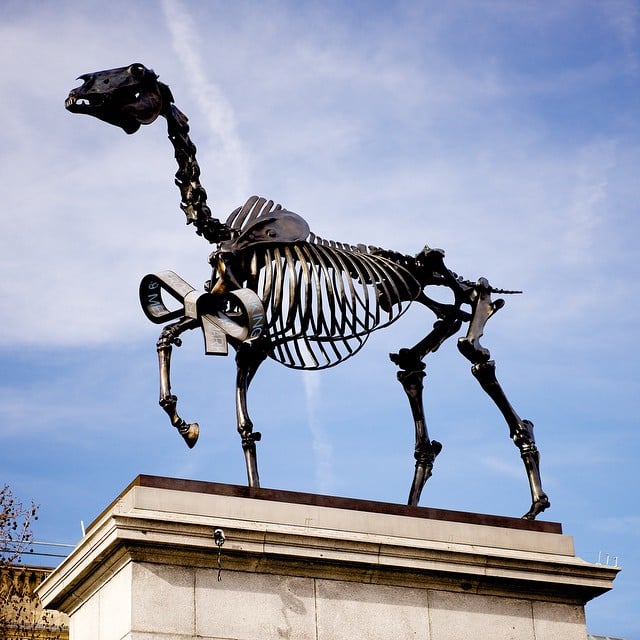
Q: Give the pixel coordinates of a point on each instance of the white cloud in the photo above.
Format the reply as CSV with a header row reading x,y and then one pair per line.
x,y
588,203
629,524
624,16
391,144
506,135
215,109
321,444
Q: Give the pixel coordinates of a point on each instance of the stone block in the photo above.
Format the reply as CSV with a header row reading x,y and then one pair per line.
x,y
552,621
115,602
316,568
348,610
163,598
246,606
85,621
462,616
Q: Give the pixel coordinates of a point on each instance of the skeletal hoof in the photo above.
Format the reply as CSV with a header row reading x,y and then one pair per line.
x,y
190,433
537,507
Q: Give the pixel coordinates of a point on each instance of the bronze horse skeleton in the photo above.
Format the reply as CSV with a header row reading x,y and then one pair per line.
x,y
279,291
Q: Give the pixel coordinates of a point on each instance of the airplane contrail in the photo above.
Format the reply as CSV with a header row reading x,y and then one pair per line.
x,y
211,101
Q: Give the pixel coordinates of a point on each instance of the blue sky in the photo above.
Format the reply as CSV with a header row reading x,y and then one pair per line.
x,y
506,133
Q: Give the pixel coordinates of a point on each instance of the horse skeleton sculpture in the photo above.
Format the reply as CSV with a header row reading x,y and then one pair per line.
x,y
279,291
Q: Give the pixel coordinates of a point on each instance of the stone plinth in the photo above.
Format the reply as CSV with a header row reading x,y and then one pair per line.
x,y
316,568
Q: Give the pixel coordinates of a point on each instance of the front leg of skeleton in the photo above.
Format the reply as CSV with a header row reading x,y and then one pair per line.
x,y
249,357
169,337
484,370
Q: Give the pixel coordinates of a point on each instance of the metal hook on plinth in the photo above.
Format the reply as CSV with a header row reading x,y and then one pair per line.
x,y
219,538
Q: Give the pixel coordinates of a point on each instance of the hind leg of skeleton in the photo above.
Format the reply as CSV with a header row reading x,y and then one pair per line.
x,y
411,377
484,370
249,357
169,337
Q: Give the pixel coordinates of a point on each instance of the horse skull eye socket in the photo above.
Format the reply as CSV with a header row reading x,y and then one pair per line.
x,y
137,71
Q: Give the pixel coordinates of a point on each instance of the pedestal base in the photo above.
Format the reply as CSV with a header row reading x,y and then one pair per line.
x,y
315,568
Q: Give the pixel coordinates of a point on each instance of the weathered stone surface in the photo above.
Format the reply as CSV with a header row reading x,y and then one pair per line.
x,y
316,569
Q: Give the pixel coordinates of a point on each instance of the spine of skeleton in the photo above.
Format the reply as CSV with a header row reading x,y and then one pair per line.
x,y
192,194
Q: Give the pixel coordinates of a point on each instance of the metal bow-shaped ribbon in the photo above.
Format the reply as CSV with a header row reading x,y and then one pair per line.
x,y
238,314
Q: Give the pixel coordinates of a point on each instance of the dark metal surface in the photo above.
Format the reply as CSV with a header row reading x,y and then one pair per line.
x,y
278,291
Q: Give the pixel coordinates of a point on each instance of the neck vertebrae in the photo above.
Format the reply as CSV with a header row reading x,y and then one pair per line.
x,y
193,196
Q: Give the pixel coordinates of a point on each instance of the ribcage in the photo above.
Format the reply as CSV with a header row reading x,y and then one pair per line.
x,y
322,302
322,299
